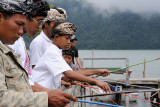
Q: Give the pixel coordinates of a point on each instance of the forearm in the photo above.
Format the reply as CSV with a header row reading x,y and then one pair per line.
x,y
21,99
88,72
78,62
79,77
38,88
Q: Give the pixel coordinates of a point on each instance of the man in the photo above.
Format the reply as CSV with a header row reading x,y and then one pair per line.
x,y
14,86
42,41
75,50
38,11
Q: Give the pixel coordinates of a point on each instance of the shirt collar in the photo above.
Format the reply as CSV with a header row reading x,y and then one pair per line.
x,y
45,36
5,49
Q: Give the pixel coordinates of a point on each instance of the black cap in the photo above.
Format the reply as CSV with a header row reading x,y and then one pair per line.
x,y
38,8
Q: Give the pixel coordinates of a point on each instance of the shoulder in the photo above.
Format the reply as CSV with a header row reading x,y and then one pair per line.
x,y
52,50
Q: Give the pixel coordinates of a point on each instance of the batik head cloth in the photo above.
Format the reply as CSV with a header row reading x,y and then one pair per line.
x,y
14,6
56,14
65,28
38,8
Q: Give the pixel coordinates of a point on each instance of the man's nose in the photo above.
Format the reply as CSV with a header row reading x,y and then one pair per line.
x,y
20,32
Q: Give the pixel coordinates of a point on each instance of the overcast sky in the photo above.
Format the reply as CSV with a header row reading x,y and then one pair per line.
x,y
136,6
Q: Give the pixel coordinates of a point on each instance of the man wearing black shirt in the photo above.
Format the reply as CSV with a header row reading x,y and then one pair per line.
x,y
75,50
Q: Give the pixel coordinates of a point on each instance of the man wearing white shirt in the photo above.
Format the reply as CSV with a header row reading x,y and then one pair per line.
x,y
43,41
38,13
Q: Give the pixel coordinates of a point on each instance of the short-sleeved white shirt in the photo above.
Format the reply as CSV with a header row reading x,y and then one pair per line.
x,y
50,67
20,48
38,46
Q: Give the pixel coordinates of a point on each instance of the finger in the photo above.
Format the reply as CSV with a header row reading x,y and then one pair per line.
x,y
108,88
66,100
70,97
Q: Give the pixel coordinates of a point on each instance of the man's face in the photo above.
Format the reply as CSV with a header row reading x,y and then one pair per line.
x,y
11,28
32,26
63,42
67,58
73,44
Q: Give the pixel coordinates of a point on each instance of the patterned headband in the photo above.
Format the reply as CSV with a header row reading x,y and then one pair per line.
x,y
15,6
66,28
55,15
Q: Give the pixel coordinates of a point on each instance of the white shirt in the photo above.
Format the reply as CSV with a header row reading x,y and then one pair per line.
x,y
38,47
20,48
50,67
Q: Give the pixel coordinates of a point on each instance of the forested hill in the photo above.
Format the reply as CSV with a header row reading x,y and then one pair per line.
x,y
120,31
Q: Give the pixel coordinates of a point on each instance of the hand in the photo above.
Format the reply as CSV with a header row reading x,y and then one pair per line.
x,y
74,68
66,84
64,78
57,98
104,86
103,72
82,68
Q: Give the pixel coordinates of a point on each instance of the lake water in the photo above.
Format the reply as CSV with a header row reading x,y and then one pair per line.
x,y
134,56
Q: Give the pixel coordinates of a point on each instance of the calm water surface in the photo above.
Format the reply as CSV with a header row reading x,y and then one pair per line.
x,y
134,56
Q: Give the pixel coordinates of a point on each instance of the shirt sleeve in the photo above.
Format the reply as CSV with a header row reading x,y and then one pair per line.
x,y
35,52
56,64
11,98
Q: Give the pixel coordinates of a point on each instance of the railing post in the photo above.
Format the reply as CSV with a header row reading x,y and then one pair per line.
x,y
127,70
127,81
92,58
144,72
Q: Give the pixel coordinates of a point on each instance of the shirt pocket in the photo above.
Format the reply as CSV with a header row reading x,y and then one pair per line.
x,y
15,79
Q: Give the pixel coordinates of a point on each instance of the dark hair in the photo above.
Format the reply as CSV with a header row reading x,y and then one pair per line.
x,y
48,22
68,52
7,14
72,40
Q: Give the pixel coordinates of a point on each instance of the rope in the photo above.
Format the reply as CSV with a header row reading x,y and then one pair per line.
x,y
84,86
138,98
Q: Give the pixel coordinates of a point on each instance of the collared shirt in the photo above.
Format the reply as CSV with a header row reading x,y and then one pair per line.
x,y
20,48
15,90
50,67
38,46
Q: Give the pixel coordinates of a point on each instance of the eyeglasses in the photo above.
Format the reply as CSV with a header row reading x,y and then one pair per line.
x,y
40,22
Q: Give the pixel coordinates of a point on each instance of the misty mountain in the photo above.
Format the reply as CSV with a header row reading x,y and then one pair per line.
x,y
125,30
